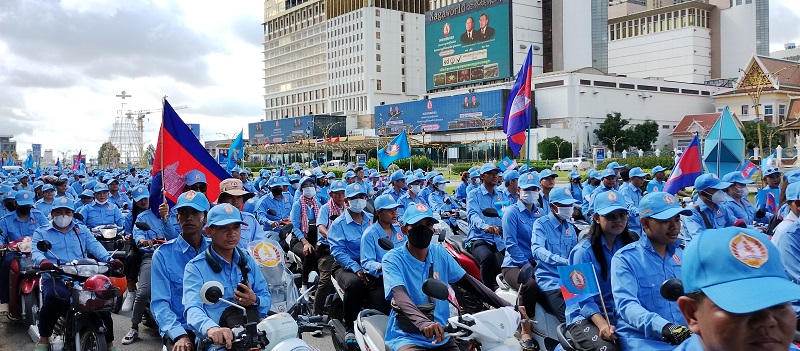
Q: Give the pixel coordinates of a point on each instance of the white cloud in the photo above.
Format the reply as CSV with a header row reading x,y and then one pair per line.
x,y
784,19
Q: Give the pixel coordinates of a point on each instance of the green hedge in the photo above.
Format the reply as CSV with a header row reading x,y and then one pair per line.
x,y
646,162
420,162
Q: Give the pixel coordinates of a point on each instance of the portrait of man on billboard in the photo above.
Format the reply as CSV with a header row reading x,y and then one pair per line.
x,y
485,32
470,35
446,30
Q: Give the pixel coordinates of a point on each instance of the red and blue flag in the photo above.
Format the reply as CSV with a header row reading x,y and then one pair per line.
x,y
578,282
517,118
687,169
772,203
747,169
179,152
77,162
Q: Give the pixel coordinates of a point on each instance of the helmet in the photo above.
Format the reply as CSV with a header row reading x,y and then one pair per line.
x,y
100,284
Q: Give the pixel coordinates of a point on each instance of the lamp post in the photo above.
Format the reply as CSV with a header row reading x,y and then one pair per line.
x,y
614,140
558,147
325,132
487,123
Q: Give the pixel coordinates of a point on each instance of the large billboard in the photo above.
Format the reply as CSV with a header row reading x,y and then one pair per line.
x,y
36,150
468,42
451,113
291,130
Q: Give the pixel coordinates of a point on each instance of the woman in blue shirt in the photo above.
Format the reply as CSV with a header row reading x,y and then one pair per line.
x,y
371,253
587,319
303,215
517,223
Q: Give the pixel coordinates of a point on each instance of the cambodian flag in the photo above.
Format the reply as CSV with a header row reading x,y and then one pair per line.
x,y
772,203
578,282
77,161
687,169
177,153
518,116
747,169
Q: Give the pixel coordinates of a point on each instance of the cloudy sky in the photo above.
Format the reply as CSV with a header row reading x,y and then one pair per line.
x,y
63,62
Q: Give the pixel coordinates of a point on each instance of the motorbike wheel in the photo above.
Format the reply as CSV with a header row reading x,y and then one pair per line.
x,y
93,341
29,300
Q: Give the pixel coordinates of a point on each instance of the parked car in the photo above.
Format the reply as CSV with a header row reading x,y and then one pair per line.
x,y
572,163
336,164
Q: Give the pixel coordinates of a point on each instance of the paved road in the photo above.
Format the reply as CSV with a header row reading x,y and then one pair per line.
x,y
15,337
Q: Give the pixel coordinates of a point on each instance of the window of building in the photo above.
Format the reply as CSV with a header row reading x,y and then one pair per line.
x,y
377,35
378,57
379,86
745,110
404,86
767,110
781,110
377,24
377,46
377,12
377,68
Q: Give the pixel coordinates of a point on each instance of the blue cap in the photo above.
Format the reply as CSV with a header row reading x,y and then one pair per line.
x,y
637,172
474,174
224,214
250,205
739,269
523,169
337,185
488,168
412,178
87,193
439,179
793,192
771,171
349,174
397,175
593,174
140,192
314,162
291,178
793,176
417,212
100,187
236,169
330,175
735,177
528,181
562,196
615,165
194,176
608,173
354,189
306,179
609,201
24,197
193,199
661,205
429,176
657,169
5,190
63,202
386,202
510,175
375,174
710,180
547,173
90,185
574,174
47,187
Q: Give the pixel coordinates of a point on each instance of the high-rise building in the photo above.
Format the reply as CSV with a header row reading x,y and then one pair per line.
x,y
7,146
790,52
569,28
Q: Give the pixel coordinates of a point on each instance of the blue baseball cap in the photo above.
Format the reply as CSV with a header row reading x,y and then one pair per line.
x,y
593,174
608,173
24,197
63,202
439,179
793,192
430,176
657,169
412,178
87,193
637,172
349,174
528,181
735,177
224,214
792,176
710,180
474,174
140,192
661,205
523,169
236,169
417,212
47,187
562,196
5,190
314,162
397,175
194,176
90,185
374,174
609,201
739,269
771,171
386,202
193,199
489,167
615,165
337,185
100,187
291,178
250,205
354,189
574,174
510,175
547,173
330,175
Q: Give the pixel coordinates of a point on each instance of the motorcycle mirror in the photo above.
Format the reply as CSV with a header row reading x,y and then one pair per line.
x,y
442,235
435,288
44,245
385,243
672,289
313,278
272,212
211,292
525,273
143,226
77,216
490,212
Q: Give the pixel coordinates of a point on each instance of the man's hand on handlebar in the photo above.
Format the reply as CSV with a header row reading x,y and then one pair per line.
x,y
145,243
221,336
183,344
363,276
434,330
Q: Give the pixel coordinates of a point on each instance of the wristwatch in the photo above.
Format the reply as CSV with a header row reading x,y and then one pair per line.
x,y
257,303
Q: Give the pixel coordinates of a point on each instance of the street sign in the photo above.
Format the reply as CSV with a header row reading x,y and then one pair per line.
x,y
361,160
599,155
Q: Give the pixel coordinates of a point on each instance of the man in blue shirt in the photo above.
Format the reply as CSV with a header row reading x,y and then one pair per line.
x,y
737,202
737,296
484,240
232,191
575,186
461,190
772,181
440,202
168,264
335,207
474,180
101,211
277,201
632,190
708,213
116,197
304,214
646,320
608,181
45,204
372,253
223,262
511,185
658,181
412,195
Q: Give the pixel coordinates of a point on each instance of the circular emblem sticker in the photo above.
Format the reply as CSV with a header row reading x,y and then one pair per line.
x,y
676,258
655,189
63,200
356,187
748,250
612,196
578,279
190,195
530,176
197,177
669,199
24,196
265,253
399,236
110,207
228,209
339,184
421,207
139,190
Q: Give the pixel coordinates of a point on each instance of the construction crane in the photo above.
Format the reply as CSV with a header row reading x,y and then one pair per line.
x,y
141,113
127,135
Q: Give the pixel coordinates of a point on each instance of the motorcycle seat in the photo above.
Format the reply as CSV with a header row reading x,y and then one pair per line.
x,y
458,243
375,327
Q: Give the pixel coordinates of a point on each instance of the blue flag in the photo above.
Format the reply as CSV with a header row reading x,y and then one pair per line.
x,y
768,162
578,282
39,168
235,152
397,149
29,162
517,116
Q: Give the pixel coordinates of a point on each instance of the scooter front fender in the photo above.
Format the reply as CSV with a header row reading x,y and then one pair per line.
x,y
29,284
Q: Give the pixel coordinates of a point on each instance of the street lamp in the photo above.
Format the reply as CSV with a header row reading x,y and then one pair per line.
x,y
614,140
325,132
487,123
558,147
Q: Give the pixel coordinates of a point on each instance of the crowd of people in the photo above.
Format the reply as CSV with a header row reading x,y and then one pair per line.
x,y
738,261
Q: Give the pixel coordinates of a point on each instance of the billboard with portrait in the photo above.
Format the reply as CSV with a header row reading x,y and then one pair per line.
x,y
468,42
284,130
452,113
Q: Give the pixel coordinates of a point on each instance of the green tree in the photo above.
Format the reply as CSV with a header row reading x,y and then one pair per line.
x,y
554,148
611,132
642,136
769,135
107,155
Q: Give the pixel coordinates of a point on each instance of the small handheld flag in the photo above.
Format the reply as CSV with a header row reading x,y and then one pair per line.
x,y
687,169
397,149
507,164
748,169
578,282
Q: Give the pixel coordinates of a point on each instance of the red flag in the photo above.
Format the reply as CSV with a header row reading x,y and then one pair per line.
x,y
328,140
77,162
336,140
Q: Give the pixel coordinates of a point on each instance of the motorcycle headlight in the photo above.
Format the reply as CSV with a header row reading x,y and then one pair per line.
x,y
109,233
86,270
69,269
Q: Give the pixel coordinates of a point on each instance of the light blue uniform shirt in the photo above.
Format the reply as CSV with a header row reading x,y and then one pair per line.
x,y
13,228
294,216
424,193
120,199
202,317
552,242
718,216
582,253
587,194
344,237
76,243
325,219
394,194
517,234
157,229
789,246
282,208
436,201
400,268
95,214
655,186
461,192
745,210
251,231
371,253
44,207
77,187
632,197
477,200
577,191
638,272
169,262
406,199
471,187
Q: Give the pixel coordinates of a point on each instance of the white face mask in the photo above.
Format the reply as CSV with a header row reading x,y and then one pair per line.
x,y
442,187
295,185
309,192
103,203
414,189
358,205
62,221
742,192
718,197
528,196
565,213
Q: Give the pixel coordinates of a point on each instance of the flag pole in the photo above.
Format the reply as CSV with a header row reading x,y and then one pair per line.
x,y
600,292
161,151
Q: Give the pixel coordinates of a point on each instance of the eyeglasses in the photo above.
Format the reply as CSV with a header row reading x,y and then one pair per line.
x,y
616,216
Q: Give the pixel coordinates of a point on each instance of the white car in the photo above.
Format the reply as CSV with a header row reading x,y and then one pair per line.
x,y
572,164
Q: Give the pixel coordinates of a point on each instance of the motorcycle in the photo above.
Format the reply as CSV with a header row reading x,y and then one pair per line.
x,y
81,328
27,283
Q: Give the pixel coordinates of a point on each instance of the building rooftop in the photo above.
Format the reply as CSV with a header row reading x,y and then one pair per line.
x,y
692,123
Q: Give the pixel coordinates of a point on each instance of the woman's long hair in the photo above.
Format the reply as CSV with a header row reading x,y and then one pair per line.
x,y
595,238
